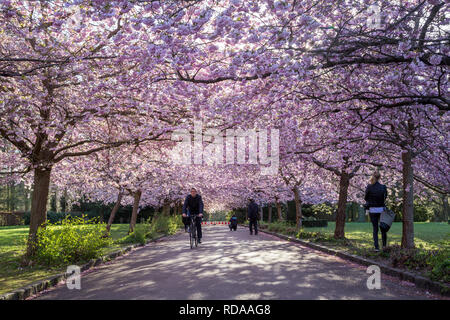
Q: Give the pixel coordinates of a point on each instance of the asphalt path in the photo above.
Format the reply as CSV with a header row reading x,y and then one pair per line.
x,y
231,265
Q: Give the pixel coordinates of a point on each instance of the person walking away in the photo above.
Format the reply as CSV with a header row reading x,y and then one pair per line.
x,y
252,216
233,223
375,197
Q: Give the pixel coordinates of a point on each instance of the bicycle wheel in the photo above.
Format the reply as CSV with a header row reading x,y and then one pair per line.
x,y
194,224
196,239
191,236
194,235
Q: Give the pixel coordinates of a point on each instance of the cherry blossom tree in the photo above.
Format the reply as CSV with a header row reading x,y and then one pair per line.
x,y
92,90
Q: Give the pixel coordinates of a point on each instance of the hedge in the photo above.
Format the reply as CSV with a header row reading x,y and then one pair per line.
x,y
314,223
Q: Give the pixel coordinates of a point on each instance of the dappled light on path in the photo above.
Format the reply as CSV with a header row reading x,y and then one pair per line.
x,y
230,265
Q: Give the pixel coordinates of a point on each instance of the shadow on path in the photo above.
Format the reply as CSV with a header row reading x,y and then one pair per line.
x,y
231,265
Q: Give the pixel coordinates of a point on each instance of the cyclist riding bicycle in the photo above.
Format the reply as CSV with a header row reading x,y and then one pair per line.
x,y
193,206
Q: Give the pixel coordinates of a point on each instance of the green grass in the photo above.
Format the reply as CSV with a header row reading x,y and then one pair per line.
x,y
12,248
431,257
429,235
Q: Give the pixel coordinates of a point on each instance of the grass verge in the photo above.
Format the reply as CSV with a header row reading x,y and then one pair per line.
x,y
430,258
13,245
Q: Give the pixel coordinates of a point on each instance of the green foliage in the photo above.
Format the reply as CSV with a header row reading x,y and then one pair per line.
x,y
435,262
150,228
431,257
285,227
424,210
92,210
440,264
352,211
319,211
315,236
219,216
11,219
55,217
323,209
137,236
314,223
207,215
70,241
407,258
14,197
14,275
241,214
166,224
291,214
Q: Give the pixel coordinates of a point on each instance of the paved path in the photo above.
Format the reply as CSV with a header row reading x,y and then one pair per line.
x,y
231,265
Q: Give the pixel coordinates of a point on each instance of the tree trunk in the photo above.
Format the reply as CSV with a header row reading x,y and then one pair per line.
x,y
64,203
13,197
408,201
114,211
344,182
261,212
8,197
27,201
137,198
269,213
38,215
57,198
298,208
445,208
280,217
166,210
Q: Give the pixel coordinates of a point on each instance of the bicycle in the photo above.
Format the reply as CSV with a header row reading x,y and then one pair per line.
x,y
193,239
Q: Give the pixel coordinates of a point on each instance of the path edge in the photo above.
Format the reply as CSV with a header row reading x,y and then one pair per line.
x,y
418,280
47,283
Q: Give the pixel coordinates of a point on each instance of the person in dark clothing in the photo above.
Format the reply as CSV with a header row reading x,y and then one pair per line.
x,y
186,222
233,223
252,216
193,205
375,196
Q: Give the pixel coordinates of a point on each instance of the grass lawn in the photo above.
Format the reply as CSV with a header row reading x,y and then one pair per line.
x,y
429,235
12,247
430,258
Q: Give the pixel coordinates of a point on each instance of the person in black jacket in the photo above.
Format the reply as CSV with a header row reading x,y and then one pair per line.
x,y
233,223
375,196
193,205
252,216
